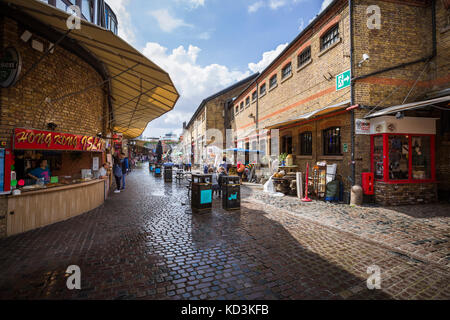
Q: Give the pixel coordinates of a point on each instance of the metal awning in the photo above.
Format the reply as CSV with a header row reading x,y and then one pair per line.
x,y
408,106
309,115
141,91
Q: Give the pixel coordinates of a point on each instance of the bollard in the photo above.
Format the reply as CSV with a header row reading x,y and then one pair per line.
x,y
231,193
356,196
201,193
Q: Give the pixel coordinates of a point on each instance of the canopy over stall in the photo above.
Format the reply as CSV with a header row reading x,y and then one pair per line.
x,y
140,91
310,115
410,106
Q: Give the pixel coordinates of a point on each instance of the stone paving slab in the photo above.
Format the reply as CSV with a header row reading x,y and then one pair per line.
x,y
421,231
144,243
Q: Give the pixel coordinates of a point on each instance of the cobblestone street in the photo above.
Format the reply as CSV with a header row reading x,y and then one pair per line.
x,y
145,243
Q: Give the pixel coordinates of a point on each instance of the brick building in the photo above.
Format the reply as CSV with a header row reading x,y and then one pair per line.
x,y
340,70
66,99
208,123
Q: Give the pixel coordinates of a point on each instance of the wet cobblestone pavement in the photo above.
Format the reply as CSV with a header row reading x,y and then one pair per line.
x,y
144,243
422,231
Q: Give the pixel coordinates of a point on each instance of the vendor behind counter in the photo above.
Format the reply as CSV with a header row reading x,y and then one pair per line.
x,y
41,172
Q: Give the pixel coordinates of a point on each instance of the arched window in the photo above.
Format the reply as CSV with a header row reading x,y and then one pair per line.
x,y
332,141
306,143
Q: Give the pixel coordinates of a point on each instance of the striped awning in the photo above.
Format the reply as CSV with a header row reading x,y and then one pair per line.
x,y
141,91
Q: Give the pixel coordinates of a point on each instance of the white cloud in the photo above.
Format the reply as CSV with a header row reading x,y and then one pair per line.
x,y
126,30
166,21
267,58
301,24
193,81
255,6
325,4
204,35
193,4
275,4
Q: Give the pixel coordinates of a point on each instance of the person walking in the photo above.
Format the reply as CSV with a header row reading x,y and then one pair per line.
x,y
125,166
117,170
214,181
222,174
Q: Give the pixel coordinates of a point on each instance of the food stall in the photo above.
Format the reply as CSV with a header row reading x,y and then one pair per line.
x,y
72,162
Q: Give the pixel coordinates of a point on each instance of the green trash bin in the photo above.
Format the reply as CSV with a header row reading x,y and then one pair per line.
x,y
158,170
201,193
231,193
167,173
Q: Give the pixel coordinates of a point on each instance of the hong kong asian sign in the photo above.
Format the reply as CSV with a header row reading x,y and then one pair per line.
x,y
27,139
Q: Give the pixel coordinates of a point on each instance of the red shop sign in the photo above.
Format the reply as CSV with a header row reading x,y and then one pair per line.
x,y
28,139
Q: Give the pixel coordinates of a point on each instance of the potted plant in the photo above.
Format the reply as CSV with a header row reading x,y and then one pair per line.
x,y
282,159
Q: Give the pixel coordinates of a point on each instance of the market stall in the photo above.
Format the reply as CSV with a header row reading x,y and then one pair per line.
x,y
50,173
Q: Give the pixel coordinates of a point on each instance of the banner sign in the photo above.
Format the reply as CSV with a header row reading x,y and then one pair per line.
x,y
28,139
362,126
10,66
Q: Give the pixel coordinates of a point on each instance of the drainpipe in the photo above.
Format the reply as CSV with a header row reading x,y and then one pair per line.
x,y
352,98
256,120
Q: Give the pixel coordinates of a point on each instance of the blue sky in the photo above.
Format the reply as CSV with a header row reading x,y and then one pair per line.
x,y
207,45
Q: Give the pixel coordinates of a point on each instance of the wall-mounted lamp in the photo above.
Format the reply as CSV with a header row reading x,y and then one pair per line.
x,y
52,126
399,115
252,117
365,58
26,36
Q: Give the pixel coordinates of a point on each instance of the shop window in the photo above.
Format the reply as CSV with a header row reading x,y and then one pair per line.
x,y
408,158
378,159
329,38
286,71
398,158
304,57
262,89
254,95
332,141
286,145
421,157
273,81
306,143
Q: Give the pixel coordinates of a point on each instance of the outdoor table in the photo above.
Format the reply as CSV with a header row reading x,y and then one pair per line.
x,y
288,169
201,193
282,185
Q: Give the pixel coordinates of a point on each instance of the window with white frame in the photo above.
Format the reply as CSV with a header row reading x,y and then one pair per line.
x,y
329,38
273,81
286,71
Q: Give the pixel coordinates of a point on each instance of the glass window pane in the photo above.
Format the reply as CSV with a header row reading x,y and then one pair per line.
x,y
421,157
398,158
378,163
61,5
86,9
